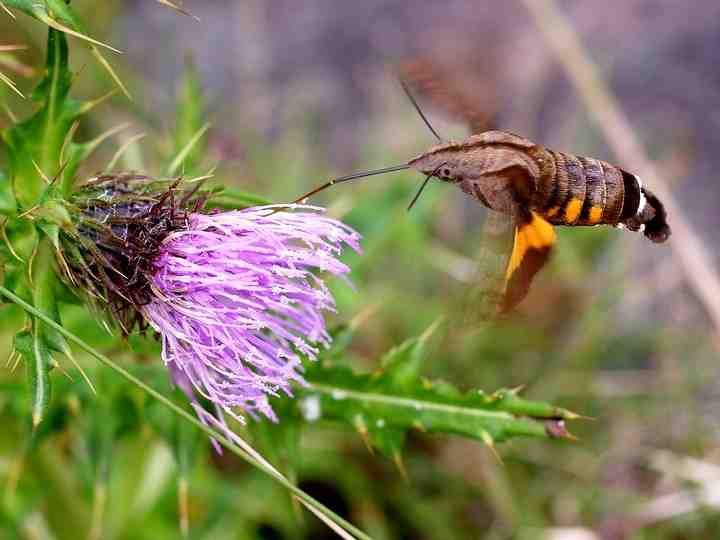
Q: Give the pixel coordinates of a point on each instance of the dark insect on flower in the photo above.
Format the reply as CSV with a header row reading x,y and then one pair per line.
x,y
235,296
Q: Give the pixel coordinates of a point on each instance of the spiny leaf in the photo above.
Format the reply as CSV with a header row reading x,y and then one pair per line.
x,y
385,404
40,148
46,288
19,242
36,345
44,283
34,350
39,139
57,14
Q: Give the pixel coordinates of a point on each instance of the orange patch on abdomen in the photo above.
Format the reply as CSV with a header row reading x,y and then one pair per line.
x,y
572,210
595,215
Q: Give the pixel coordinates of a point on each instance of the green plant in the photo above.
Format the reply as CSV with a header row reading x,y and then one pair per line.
x,y
38,186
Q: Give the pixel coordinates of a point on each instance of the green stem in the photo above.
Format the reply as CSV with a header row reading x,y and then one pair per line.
x,y
187,416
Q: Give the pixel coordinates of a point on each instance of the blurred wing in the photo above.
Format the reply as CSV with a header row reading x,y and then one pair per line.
x,y
511,254
486,296
472,102
533,242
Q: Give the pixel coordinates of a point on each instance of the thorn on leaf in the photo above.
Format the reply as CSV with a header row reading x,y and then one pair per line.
x,y
490,443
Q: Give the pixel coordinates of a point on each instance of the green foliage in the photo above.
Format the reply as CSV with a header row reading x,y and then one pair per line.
x,y
59,15
190,139
33,347
78,463
35,149
35,145
381,406
50,12
229,198
184,440
7,199
384,404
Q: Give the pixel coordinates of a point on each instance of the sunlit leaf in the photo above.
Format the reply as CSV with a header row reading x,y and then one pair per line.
x,y
383,405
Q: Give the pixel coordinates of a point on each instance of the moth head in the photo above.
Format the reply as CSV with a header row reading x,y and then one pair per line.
x,y
443,165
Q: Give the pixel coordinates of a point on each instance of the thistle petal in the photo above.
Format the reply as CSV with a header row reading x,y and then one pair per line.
x,y
239,302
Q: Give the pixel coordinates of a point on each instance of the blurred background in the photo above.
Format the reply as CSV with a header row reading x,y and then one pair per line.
x,y
297,92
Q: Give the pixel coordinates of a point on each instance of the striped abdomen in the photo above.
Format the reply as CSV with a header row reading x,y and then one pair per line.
x,y
576,190
509,173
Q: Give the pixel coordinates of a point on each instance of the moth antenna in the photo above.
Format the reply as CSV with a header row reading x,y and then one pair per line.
x,y
349,177
422,187
419,110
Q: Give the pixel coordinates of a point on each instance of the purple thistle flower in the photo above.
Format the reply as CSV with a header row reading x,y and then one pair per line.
x,y
238,303
236,297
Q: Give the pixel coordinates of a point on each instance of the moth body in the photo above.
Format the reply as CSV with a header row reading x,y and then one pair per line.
x,y
512,175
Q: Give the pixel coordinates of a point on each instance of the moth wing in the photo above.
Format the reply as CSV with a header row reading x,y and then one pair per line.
x,y
512,252
470,101
486,295
533,242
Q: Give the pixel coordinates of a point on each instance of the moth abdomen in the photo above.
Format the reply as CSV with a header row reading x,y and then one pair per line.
x,y
585,191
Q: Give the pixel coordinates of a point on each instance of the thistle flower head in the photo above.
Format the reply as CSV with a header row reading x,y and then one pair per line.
x,y
236,297
238,303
